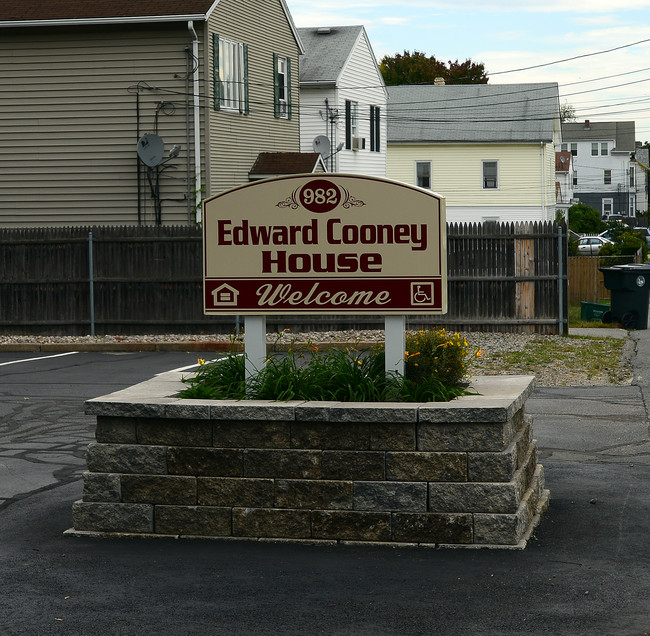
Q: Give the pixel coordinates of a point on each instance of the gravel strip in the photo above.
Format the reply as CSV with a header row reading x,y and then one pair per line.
x,y
492,344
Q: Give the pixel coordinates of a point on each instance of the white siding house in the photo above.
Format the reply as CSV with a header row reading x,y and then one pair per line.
x,y
604,169
488,149
343,98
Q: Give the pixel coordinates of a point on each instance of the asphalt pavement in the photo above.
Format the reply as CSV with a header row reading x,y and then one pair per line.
x,y
585,571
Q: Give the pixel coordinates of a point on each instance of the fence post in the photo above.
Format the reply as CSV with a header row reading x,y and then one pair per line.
x,y
91,281
560,278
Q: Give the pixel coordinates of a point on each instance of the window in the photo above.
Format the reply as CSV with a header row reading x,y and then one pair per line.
x,y
632,210
375,140
603,148
594,149
574,150
632,177
423,174
608,206
230,60
575,178
490,175
351,122
282,86
608,177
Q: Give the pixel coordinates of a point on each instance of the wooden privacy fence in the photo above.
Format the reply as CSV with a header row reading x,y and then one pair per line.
x,y
144,279
586,281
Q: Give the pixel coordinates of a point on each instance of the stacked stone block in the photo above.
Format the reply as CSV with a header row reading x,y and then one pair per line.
x,y
336,472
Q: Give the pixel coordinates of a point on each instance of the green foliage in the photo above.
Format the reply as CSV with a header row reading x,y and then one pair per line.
x,y
436,364
417,68
584,219
436,353
626,243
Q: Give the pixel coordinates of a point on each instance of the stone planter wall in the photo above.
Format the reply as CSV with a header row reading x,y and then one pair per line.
x,y
463,473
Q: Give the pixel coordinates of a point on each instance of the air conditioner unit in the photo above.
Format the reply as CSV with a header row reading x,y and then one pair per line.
x,y
358,143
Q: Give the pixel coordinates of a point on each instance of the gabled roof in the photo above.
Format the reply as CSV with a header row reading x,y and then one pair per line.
x,y
473,113
327,49
273,164
18,11
621,132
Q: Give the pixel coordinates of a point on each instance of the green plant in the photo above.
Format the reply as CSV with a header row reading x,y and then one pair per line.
x,y
626,243
583,219
436,353
433,374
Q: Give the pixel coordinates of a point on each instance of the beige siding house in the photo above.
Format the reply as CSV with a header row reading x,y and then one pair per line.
x,y
488,149
86,84
343,98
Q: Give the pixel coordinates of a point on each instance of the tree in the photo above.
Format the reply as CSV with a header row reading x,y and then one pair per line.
x,y
584,219
567,112
417,68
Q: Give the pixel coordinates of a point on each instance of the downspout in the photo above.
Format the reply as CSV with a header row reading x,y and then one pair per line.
x,y
197,120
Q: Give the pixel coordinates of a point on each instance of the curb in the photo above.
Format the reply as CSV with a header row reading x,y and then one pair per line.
x,y
208,346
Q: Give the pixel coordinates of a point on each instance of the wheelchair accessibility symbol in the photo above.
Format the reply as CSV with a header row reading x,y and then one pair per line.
x,y
422,293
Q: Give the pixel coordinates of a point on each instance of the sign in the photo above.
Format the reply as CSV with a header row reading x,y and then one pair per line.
x,y
329,243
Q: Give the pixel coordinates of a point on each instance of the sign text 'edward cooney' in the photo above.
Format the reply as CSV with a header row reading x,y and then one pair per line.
x,y
299,244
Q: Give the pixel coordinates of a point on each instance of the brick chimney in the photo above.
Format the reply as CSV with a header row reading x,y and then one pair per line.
x,y
587,125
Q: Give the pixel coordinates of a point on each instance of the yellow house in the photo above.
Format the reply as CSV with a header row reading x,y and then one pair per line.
x,y
488,149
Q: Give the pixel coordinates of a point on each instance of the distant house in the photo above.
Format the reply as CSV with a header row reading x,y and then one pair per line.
x,y
488,149
342,100
86,84
642,162
604,170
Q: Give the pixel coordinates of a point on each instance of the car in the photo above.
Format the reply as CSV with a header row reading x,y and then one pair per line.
x,y
590,245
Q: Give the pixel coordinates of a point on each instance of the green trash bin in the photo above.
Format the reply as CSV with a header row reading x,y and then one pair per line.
x,y
630,286
592,312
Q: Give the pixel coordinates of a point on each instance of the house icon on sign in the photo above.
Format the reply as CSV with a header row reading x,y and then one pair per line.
x,y
225,295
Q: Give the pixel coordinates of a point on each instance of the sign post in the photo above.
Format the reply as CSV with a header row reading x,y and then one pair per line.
x,y
325,244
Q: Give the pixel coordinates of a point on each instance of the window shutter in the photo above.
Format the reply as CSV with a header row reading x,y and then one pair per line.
x,y
276,87
289,106
246,109
348,124
216,88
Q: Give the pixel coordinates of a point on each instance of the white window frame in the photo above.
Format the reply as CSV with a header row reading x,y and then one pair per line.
x,y
632,177
574,149
632,209
603,149
282,80
484,178
430,175
594,148
607,177
606,202
232,80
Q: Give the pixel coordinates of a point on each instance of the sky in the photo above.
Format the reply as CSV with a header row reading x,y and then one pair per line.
x,y
598,51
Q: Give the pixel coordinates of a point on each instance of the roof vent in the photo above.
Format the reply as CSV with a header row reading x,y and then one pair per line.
x,y
323,30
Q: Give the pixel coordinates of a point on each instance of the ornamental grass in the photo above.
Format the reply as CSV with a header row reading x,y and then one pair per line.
x,y
436,365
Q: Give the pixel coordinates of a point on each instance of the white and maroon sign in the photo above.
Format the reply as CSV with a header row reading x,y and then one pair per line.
x,y
326,243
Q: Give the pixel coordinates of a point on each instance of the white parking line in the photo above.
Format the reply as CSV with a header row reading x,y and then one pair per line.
x,y
56,355
192,366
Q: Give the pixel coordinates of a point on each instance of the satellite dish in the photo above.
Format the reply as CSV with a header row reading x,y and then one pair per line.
x,y
321,144
150,150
